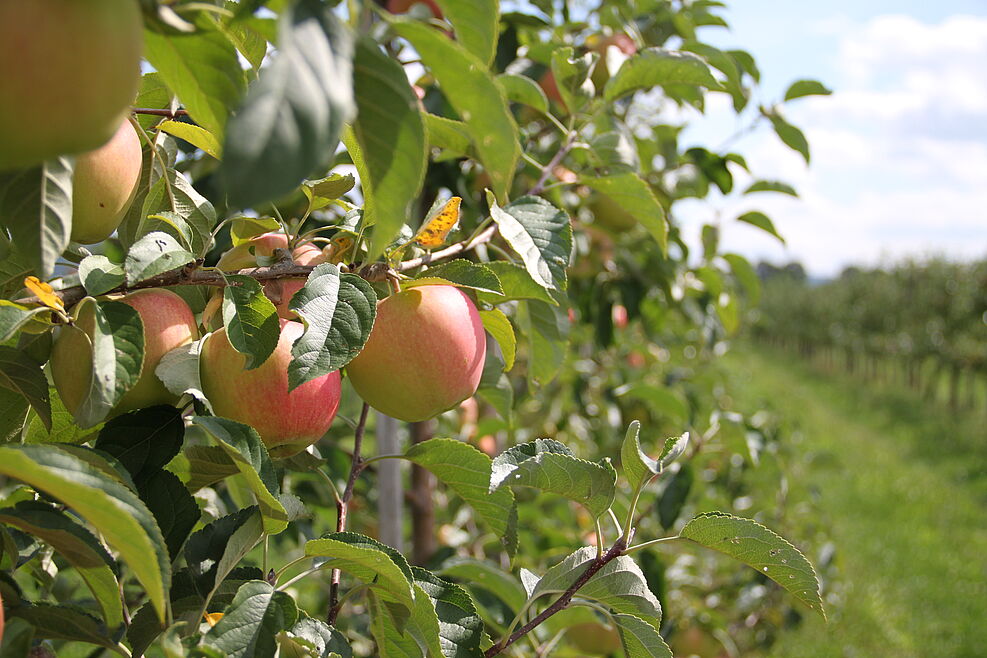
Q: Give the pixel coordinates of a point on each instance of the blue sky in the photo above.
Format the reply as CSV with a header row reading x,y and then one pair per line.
x,y
899,151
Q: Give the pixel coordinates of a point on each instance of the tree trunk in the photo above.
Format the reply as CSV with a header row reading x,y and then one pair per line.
x,y
422,506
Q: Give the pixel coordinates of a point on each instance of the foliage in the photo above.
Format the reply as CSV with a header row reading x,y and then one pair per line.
x,y
196,541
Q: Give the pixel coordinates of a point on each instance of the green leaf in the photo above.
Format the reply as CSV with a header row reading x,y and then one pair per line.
x,y
745,273
324,639
673,449
242,229
655,67
380,566
516,283
36,206
466,470
77,545
99,274
801,88
252,621
524,90
476,24
117,341
771,186
173,508
392,154
244,447
541,234
635,196
638,467
449,134
488,576
203,70
458,627
21,373
215,550
338,311
14,316
572,77
619,585
183,200
64,622
548,331
762,221
498,326
289,123
18,638
251,319
549,466
756,546
399,633
320,193
13,415
640,639
112,509
195,135
155,253
143,441
178,370
474,95
207,465
461,273
63,426
792,137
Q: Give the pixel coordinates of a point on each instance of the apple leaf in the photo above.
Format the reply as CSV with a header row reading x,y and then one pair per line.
x,y
488,576
251,319
288,125
215,550
320,193
324,639
173,507
391,157
635,196
36,207
338,311
476,24
64,622
547,328
143,441
22,374
761,221
498,326
457,627
155,253
517,284
99,274
448,134
541,234
461,273
112,509
14,316
251,623
524,90
639,638
197,136
655,67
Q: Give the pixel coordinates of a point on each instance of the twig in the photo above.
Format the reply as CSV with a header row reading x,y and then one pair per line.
x,y
563,601
171,114
342,506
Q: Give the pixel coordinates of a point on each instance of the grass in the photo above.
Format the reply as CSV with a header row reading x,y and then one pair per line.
x,y
903,489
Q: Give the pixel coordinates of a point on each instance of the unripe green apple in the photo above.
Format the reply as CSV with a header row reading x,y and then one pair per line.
x,y
68,72
424,356
104,185
168,323
286,422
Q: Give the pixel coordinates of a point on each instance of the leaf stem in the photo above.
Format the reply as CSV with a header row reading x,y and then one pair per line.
x,y
649,544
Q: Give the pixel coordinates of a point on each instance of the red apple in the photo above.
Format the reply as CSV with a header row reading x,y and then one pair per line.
x,y
168,323
104,185
68,72
424,356
287,422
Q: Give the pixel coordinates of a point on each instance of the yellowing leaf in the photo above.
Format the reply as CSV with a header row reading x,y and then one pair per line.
x,y
212,618
435,230
44,292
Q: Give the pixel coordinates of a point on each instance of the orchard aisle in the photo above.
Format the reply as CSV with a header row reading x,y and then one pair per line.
x,y
910,528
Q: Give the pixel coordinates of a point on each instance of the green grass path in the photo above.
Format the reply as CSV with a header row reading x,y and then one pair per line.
x,y
903,491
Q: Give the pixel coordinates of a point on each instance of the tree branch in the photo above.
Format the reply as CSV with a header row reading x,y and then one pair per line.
x,y
171,114
563,601
342,506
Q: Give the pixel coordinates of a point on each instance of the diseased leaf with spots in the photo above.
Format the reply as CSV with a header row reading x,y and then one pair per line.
x,y
436,228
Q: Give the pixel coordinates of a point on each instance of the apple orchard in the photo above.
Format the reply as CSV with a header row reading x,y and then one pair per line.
x,y
290,284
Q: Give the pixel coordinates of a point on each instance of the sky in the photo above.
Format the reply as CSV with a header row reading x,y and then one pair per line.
x,y
899,151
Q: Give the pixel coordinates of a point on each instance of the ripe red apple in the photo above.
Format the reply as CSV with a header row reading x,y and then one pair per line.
x,y
618,314
104,185
68,72
287,422
402,6
168,323
424,356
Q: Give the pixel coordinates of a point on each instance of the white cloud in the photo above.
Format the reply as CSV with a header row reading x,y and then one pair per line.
x,y
899,152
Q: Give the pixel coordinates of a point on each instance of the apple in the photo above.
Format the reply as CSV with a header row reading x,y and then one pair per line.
x,y
168,323
610,215
402,6
104,185
424,356
610,61
68,73
287,422
594,639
